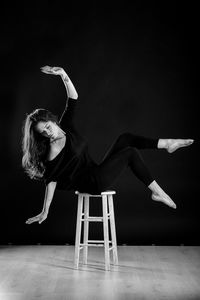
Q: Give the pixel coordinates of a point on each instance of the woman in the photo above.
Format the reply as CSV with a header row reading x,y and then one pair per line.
x,y
53,151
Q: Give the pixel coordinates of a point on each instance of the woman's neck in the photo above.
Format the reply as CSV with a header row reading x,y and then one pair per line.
x,y
57,139
61,135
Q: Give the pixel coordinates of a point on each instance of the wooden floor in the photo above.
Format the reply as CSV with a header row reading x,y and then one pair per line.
x,y
144,272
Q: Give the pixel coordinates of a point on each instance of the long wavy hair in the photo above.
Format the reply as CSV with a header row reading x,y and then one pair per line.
x,y
35,146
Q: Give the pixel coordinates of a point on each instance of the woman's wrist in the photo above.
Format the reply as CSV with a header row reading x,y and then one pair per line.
x,y
65,78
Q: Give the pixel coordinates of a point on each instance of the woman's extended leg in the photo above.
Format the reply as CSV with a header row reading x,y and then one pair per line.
x,y
131,140
141,142
123,153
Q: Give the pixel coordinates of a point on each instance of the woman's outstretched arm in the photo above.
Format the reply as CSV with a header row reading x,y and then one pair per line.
x,y
71,91
49,193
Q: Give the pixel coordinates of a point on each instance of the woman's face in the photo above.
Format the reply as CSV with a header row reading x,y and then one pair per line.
x,y
48,129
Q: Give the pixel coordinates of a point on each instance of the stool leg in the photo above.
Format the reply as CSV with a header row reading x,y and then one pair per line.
x,y
113,229
78,231
86,229
106,232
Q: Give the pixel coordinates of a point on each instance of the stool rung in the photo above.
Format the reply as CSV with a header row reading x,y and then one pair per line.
x,y
93,219
97,241
111,248
93,245
108,214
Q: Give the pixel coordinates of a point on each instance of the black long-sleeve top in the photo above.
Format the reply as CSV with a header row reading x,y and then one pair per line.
x,y
73,163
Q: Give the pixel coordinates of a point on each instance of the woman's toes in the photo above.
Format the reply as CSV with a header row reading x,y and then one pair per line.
x,y
165,200
175,144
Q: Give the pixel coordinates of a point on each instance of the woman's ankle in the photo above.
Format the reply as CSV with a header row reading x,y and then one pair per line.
x,y
163,143
155,188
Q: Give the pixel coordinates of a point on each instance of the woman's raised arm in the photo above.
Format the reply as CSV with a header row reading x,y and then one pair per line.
x,y
71,91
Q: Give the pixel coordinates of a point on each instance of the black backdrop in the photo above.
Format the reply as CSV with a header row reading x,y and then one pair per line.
x,y
134,68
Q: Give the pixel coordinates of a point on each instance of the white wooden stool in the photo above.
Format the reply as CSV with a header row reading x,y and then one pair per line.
x,y
108,214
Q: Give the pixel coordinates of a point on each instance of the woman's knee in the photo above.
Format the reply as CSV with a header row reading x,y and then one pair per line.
x,y
130,151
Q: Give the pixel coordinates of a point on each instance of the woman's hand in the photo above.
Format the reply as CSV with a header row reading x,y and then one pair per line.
x,y
52,70
39,218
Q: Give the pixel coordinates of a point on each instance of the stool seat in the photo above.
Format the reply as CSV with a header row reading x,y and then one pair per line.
x,y
107,218
103,193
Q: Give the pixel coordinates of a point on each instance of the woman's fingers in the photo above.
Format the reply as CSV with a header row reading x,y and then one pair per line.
x,y
34,219
40,218
29,221
46,69
52,70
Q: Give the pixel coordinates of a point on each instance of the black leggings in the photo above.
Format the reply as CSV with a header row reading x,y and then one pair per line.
x,y
124,153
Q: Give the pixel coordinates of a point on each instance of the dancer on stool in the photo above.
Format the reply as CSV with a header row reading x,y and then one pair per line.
x,y
55,152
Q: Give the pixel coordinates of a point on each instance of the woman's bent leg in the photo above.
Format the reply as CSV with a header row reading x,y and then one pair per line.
x,y
114,163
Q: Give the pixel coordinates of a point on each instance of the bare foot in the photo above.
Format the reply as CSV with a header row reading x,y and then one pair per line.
x,y
174,144
164,198
159,195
